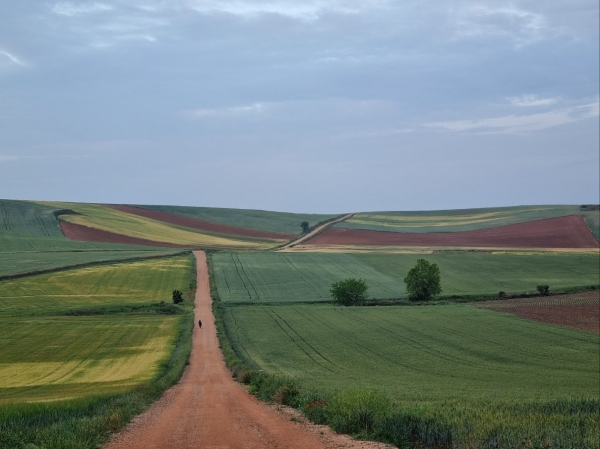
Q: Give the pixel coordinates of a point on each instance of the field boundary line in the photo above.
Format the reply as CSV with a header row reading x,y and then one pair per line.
x,y
8,277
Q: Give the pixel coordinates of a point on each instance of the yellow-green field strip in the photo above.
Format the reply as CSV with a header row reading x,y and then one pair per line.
x,y
48,356
107,219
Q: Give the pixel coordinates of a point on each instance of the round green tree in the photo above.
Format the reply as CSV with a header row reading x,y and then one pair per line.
x,y
423,281
349,291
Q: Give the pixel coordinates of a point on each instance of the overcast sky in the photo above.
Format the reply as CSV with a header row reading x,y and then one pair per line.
x,y
301,105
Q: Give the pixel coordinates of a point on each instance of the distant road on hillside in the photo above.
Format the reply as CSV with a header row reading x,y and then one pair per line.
x,y
314,232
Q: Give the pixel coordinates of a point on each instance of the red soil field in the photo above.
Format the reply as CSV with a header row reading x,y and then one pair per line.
x,y
563,232
201,225
579,310
82,233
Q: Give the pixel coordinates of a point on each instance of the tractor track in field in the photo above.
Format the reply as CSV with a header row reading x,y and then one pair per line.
x,y
207,409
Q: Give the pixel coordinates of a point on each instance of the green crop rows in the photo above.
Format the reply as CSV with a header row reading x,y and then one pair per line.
x,y
453,220
480,375
31,240
282,222
307,277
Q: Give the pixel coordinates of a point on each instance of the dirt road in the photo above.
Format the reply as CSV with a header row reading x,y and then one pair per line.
x,y
207,409
318,229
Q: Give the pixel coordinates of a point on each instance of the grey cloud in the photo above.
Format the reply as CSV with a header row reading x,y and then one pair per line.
x,y
531,101
523,123
70,9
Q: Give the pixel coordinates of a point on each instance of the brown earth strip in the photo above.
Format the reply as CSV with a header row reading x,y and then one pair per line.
x,y
207,409
563,232
82,233
201,225
579,310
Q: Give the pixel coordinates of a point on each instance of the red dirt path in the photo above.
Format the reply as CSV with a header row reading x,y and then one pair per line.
x,y
201,225
86,234
579,310
207,409
563,232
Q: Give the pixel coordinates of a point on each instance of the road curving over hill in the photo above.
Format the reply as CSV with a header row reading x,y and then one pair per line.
x,y
207,409
314,232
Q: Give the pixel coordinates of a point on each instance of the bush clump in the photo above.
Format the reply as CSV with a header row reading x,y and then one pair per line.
x,y
543,289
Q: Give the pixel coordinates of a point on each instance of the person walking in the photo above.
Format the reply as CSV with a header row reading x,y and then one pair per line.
x,y
200,324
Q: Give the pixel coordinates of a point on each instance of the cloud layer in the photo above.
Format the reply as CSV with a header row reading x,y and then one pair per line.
x,y
246,100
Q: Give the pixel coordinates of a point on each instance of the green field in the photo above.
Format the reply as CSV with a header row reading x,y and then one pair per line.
x,y
120,284
299,277
31,240
61,358
45,355
592,218
453,220
31,261
111,220
27,226
476,375
282,222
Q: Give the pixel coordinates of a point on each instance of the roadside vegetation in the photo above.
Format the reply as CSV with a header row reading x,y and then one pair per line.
x,y
84,351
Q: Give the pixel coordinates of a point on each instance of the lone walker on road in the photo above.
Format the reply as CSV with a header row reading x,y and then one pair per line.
x,y
200,324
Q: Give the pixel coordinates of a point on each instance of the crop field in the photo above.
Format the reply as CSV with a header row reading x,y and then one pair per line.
x,y
307,277
26,226
592,218
135,226
562,232
31,240
61,358
454,220
201,225
280,222
46,355
481,375
120,284
28,262
580,310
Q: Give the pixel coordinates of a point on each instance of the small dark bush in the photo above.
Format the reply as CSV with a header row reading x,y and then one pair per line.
x,y
543,289
177,297
501,294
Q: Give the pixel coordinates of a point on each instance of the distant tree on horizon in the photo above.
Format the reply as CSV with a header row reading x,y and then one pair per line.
x,y
305,225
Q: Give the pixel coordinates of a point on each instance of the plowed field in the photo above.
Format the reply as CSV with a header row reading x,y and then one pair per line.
x,y
562,232
580,310
201,225
86,234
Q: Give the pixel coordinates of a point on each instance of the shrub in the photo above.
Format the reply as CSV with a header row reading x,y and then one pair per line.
x,y
349,291
177,297
543,289
501,294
